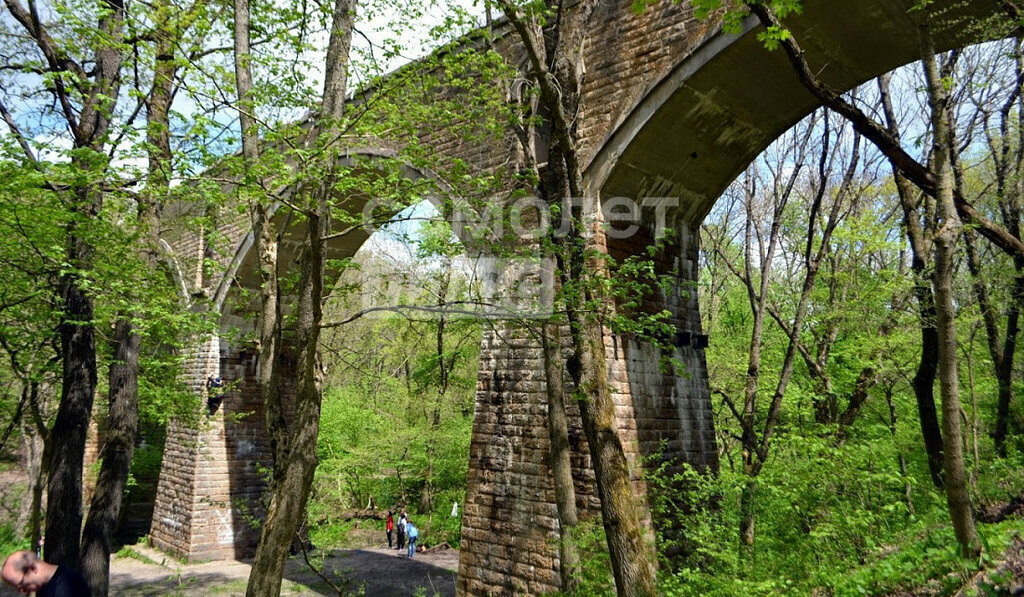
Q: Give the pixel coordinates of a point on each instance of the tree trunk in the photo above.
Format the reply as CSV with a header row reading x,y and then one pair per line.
x,y
78,348
927,368
425,501
88,122
857,399
284,516
36,514
123,415
946,235
924,386
747,511
293,474
78,345
1002,356
122,428
1004,377
264,243
30,513
290,488
555,64
631,552
561,465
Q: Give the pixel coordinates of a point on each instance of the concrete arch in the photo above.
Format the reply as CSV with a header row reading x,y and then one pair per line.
x,y
720,106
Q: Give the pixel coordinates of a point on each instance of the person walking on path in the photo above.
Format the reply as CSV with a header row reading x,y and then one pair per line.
x,y
390,527
414,534
401,530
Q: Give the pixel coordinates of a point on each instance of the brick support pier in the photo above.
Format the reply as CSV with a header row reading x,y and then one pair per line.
x,y
213,475
510,526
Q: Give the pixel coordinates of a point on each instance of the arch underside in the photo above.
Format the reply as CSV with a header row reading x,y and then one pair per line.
x,y
366,214
721,106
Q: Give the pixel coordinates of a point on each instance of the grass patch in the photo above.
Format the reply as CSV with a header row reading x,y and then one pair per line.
x,y
331,534
130,552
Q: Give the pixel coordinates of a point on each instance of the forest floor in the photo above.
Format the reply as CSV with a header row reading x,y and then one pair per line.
x,y
366,568
140,571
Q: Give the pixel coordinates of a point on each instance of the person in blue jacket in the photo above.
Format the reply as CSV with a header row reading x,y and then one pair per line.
x,y
412,533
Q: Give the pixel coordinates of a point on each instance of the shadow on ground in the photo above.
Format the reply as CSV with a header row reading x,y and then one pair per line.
x,y
369,572
382,573
182,583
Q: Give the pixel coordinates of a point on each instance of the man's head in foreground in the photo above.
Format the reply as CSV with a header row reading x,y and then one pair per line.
x,y
26,572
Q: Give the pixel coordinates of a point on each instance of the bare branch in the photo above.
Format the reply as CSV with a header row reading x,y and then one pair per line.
x,y
920,175
22,141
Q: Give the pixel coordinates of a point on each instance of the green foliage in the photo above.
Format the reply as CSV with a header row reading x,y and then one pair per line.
x,y
396,419
374,448
328,533
9,540
595,573
832,518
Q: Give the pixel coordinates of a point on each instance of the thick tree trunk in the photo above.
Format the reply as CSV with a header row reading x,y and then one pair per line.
x,y
924,385
122,428
632,553
287,508
293,476
286,511
927,368
88,122
123,415
946,235
78,347
557,68
287,500
957,495
561,465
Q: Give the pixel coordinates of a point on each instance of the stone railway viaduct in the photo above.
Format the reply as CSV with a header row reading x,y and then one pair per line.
x,y
672,107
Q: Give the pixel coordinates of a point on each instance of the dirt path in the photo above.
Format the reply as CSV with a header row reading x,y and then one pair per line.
x,y
377,572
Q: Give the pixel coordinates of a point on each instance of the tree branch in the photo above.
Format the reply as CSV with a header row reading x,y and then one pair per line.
x,y
916,172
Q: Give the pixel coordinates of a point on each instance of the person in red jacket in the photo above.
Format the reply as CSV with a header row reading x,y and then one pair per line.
x,y
390,527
